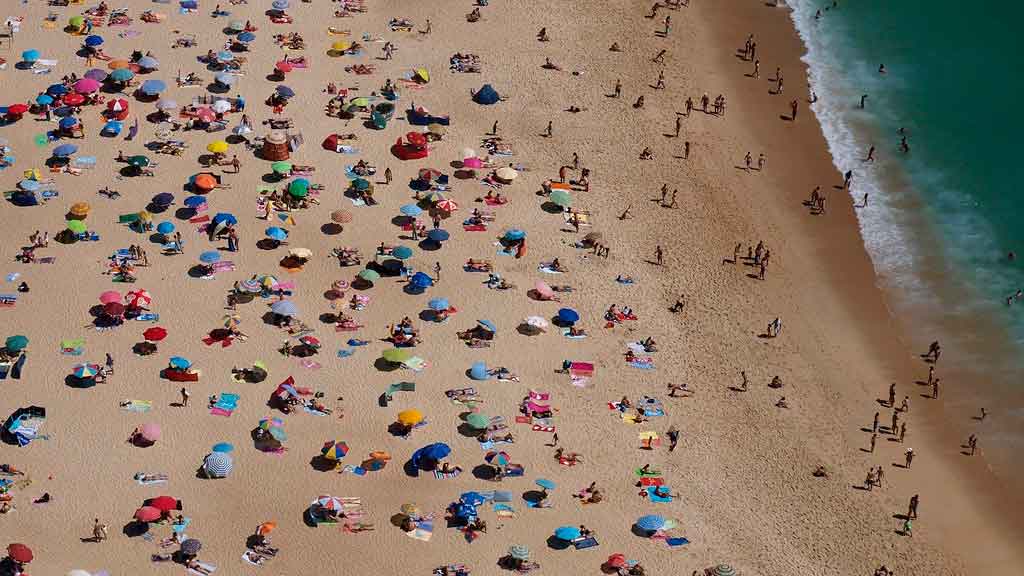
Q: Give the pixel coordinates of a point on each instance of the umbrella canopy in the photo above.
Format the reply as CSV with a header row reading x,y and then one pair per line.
x,y
514,234
396,355
650,522
334,450
536,322
93,40
236,25
44,99
30,55
361,184
16,343
299,188
180,363
724,570
301,253
438,304
165,503
498,458
76,226
282,167
543,289
86,86
194,202
57,90
117,105
209,257
568,315
223,447
150,431
438,235
472,498
140,161
284,308
369,275
217,147
478,371
411,210
225,56
519,552
65,150
506,173
341,216
84,370
276,233
330,503
488,325
110,296
283,66
166,104
218,464
205,181
121,75
410,417
280,4
266,528
29,185
225,79
545,483
421,280
567,533
155,334
478,421
67,122
246,37
285,92
148,514
166,227
447,205
268,423
152,87
73,99
138,298
148,63
435,451
80,208
163,198
206,114
561,198
191,547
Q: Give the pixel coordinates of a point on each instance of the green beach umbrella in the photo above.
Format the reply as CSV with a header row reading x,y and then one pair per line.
x,y
76,21
361,102
478,421
299,188
76,226
139,161
16,343
361,184
562,198
396,355
369,275
236,25
281,167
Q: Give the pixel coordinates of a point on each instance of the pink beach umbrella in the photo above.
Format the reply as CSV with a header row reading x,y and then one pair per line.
x,y
543,290
86,86
150,432
148,514
110,296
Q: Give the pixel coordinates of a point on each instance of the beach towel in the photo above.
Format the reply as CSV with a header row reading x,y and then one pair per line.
x,y
148,317
504,510
539,428
151,482
137,405
179,527
648,481
584,543
358,201
653,497
357,470
565,332
226,404
345,353
8,300
548,270
642,365
250,557
648,474
313,411
199,219
676,541
310,364
416,364
404,387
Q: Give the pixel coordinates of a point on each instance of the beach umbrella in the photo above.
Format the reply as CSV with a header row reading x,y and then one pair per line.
x,y
369,275
96,74
194,202
29,185
110,296
165,227
221,106
284,308
155,334
223,447
65,150
472,498
506,173
410,210
280,4
543,290
163,198
164,503
401,252
250,286
86,86
487,325
410,509
206,181
435,451
410,417
225,218
617,560
30,55
17,109
111,128
514,235
16,343
93,40
567,533
283,66
724,570
166,104
138,298
341,216
301,253
180,363
67,122
545,483
191,547
334,450
121,75
217,147
148,514
285,92
421,280
396,355
209,257
44,99
139,161
225,78
269,423
246,37
498,458
236,25
438,235
536,322
56,90
361,184
330,503
299,188
151,432
276,233
266,528
438,304
561,198
145,216
76,21
568,316
447,205
117,105
76,226
282,167
225,56
478,371
478,421
78,573
152,87
218,464
519,552
74,99
650,522
148,63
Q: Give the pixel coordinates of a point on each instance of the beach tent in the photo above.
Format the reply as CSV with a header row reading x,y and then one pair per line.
x,y
22,426
486,95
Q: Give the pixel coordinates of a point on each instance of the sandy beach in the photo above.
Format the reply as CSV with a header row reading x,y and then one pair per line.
x,y
742,472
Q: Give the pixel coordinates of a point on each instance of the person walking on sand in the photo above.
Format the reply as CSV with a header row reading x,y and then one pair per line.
x,y
908,457
935,389
659,58
673,438
874,426
660,83
236,164
99,530
905,406
895,421
672,202
908,526
912,507
874,438
760,161
879,474
903,431
793,106
618,88
934,350
686,150
548,130
871,155
869,482
745,382
664,193
747,160
778,82
892,395
679,125
109,363
757,69
387,175
494,129
659,255
184,397
972,443
437,272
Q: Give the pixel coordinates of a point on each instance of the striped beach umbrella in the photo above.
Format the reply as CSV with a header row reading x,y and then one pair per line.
x,y
334,450
218,464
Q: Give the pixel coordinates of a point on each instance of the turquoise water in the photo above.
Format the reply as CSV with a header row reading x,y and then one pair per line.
x,y
941,219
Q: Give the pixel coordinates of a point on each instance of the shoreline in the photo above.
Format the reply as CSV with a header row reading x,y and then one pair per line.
x,y
985,494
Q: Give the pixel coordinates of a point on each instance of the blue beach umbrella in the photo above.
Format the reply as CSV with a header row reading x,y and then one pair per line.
x,y
217,465
209,257
163,199
472,498
438,304
435,451
545,483
224,217
223,447
153,87
285,92
401,252
650,523
411,210
112,128
225,56
479,371
438,235
44,99
93,40
280,4
567,533
29,185
421,280
568,315
179,362
275,233
121,75
165,227
149,63
284,308
57,90
225,79
246,37
194,202
65,150
68,122
515,234
488,325
30,55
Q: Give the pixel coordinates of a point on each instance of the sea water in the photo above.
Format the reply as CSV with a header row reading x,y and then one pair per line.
x,y
940,220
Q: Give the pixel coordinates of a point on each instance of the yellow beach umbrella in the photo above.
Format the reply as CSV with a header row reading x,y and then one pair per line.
x,y
341,46
410,417
80,208
422,74
217,147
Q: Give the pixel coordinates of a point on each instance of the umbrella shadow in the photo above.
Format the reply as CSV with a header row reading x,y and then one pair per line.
x,y
640,532
427,316
72,381
429,245
383,365
556,543
321,464
551,208
184,213
533,496
331,229
135,529
467,431
485,472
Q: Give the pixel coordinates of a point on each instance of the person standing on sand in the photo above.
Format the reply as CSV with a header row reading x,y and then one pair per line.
x,y
494,129
892,395
908,457
673,438
618,89
672,202
747,160
793,106
972,443
99,531
548,130
660,83
757,69
874,438
863,99
912,507
908,526
761,268
869,482
903,431
736,253
668,25
760,161
895,421
874,426
664,193
847,178
184,397
935,389
679,125
387,175
905,406
934,350
686,150
879,474
576,163
745,382
659,255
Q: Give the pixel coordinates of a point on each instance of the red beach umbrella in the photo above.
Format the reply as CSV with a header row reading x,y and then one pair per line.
x,y
73,99
113,309
20,553
206,114
164,503
416,139
110,296
155,334
118,105
283,66
151,432
148,514
138,298
17,109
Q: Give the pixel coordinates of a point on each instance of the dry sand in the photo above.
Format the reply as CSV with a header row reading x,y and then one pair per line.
x,y
743,466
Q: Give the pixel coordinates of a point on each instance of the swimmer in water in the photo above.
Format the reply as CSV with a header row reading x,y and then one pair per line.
x,y
881,68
